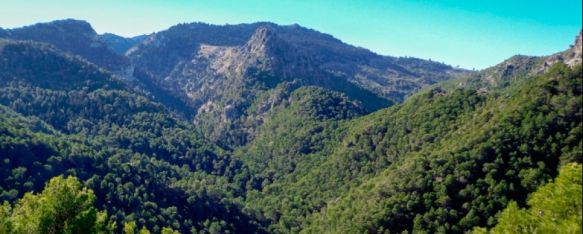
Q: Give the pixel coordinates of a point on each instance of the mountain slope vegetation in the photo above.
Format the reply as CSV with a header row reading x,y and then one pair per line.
x,y
500,151
556,206
126,147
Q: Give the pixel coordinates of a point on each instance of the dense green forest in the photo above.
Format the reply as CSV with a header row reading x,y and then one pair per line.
x,y
84,151
556,206
144,164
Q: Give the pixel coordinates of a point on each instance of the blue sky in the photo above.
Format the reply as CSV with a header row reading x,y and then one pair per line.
x,y
471,33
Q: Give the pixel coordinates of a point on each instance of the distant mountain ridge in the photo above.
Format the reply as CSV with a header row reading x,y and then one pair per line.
x,y
73,36
519,67
220,70
48,67
388,77
209,71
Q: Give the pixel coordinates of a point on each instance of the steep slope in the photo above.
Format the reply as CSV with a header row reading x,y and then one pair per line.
x,y
306,118
572,56
78,38
264,61
76,97
47,67
497,151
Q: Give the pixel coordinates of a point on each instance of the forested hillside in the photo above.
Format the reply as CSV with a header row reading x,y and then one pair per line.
x,y
468,160
250,133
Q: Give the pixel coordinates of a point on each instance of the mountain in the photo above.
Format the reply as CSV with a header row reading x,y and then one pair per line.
x,y
212,74
219,71
261,128
78,38
571,57
73,36
221,83
388,77
518,68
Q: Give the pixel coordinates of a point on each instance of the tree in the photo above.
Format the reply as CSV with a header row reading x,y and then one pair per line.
x,y
554,208
64,206
168,230
129,228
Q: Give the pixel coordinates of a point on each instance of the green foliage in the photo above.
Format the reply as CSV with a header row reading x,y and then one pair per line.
x,y
64,206
499,149
129,149
130,185
168,230
555,207
129,227
298,128
46,67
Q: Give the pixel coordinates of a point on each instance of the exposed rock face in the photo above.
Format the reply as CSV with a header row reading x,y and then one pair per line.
x,y
290,51
511,69
578,49
220,71
281,53
221,82
571,56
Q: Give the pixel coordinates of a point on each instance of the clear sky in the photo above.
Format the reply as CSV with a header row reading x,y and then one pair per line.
x,y
468,33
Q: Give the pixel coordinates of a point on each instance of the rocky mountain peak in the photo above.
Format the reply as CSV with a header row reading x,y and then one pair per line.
x,y
577,49
571,56
262,34
264,42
